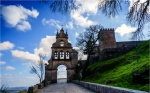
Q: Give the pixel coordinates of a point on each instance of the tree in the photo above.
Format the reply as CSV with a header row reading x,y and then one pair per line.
x,y
4,89
63,6
39,68
138,15
88,40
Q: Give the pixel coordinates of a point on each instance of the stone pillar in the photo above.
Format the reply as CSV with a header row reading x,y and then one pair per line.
x,y
70,74
58,54
65,54
47,75
54,76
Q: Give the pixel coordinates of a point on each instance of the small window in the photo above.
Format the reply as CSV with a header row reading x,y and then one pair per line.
x,y
61,43
67,55
56,55
61,55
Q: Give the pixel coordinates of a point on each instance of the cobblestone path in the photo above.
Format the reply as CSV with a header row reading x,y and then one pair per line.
x,y
63,87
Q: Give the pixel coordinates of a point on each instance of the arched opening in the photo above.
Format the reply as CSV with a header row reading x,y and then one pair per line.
x,y
61,73
56,55
67,55
61,54
61,43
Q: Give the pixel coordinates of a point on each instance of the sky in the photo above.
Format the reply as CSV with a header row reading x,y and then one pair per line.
x,y
29,28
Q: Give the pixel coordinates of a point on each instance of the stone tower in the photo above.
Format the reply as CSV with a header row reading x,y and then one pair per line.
x,y
62,54
106,39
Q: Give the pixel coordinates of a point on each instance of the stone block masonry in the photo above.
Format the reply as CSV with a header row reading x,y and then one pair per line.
x,y
99,88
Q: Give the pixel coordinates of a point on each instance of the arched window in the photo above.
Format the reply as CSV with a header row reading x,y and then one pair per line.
x,y
67,55
61,43
56,55
61,55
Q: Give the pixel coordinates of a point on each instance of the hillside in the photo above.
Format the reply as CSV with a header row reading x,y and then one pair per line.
x,y
119,71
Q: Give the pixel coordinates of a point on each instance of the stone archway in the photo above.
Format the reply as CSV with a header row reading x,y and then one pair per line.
x,y
62,54
51,70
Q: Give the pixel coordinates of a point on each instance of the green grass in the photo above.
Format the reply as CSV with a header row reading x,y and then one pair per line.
x,y
118,71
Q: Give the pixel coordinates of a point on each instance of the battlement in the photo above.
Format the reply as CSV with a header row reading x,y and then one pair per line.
x,y
107,38
107,29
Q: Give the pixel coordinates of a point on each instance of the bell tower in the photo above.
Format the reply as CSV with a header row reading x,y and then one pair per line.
x,y
62,54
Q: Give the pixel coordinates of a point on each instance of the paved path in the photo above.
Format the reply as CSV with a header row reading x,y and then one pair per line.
x,y
63,87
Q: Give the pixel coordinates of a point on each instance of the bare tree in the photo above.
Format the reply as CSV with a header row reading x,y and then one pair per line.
x,y
88,40
39,68
4,89
110,7
138,14
62,6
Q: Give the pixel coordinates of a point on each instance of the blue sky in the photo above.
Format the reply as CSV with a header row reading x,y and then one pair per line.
x,y
29,28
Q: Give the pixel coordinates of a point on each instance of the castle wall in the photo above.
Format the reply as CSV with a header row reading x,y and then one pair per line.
x,y
109,48
128,44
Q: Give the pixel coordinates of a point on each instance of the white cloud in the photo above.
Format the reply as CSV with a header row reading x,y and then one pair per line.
x,y
45,46
2,63
76,34
17,16
86,8
124,29
44,49
10,68
1,55
81,20
69,25
61,73
51,22
25,56
25,25
6,45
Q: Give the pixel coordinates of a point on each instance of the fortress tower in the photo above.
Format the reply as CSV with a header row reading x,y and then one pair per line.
x,y
106,39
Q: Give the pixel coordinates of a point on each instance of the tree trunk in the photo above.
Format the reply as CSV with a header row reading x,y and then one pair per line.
x,y
84,73
40,80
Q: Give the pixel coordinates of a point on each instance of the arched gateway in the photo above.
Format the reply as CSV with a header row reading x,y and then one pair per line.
x,y
62,54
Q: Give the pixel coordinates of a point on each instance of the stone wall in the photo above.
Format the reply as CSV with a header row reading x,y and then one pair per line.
x,y
33,89
99,88
128,44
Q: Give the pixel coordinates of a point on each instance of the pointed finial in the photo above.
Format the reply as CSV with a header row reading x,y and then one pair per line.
x,y
66,32
57,33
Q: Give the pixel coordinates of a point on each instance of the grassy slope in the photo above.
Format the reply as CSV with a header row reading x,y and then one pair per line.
x,y
118,71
